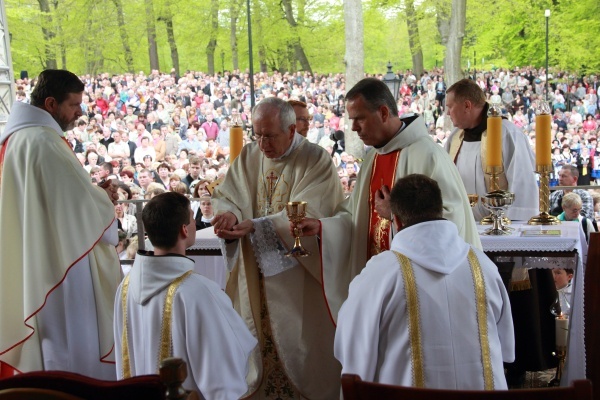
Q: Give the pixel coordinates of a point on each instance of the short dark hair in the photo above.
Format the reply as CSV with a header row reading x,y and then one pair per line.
x,y
123,185
376,94
108,167
416,198
163,216
467,89
57,83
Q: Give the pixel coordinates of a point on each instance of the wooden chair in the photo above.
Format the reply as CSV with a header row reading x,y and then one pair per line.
x,y
42,385
592,311
35,394
356,389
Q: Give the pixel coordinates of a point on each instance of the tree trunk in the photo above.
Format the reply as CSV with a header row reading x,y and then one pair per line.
x,y
124,37
61,38
299,53
354,61
171,39
414,40
49,35
455,40
212,42
235,13
262,50
151,31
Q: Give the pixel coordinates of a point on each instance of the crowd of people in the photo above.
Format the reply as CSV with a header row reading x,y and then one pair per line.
x,y
148,122
166,139
160,132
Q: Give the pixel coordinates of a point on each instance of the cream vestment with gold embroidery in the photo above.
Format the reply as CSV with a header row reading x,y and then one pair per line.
x,y
284,308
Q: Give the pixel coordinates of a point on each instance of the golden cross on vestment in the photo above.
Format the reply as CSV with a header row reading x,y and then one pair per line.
x,y
272,180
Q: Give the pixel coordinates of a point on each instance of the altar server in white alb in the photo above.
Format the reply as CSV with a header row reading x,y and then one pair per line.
x,y
58,266
163,309
467,108
431,312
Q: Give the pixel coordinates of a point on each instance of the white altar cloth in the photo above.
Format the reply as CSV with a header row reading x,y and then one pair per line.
x,y
209,266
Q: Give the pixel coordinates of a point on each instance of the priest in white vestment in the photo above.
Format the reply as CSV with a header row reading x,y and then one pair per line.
x,y
432,312
164,309
280,298
58,264
466,105
361,227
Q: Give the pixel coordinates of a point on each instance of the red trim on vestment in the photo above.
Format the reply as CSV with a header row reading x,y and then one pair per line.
x,y
46,298
102,358
2,151
7,370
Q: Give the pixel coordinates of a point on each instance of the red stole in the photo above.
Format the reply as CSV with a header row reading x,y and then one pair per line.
x,y
2,151
383,173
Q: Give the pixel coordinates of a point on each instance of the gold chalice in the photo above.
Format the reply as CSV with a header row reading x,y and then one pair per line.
x,y
296,211
473,199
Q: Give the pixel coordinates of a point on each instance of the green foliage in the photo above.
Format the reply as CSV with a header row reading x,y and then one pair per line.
x,y
504,33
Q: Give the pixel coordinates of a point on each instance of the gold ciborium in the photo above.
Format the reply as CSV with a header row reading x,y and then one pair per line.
x,y
296,211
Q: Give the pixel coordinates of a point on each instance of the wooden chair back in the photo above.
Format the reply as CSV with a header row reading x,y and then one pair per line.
x,y
355,389
72,386
35,394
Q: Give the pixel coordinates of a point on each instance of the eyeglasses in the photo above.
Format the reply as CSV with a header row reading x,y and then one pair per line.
x,y
304,119
266,139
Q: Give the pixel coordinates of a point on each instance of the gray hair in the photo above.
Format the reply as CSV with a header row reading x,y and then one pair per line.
x,y
275,106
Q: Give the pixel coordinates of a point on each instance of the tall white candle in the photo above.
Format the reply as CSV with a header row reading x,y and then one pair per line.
x,y
562,331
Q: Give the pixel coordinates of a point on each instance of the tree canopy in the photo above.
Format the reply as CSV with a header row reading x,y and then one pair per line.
x,y
112,36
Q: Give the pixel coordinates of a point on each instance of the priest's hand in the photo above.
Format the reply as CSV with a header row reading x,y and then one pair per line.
x,y
382,202
237,231
308,227
223,222
111,187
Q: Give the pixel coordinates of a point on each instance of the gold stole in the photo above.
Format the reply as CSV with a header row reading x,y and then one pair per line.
x,y
165,332
414,323
383,173
455,146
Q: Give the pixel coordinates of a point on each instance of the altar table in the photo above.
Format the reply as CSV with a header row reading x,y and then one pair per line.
x,y
565,251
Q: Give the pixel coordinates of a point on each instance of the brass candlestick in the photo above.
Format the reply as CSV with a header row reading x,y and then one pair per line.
x,y
296,211
544,217
561,354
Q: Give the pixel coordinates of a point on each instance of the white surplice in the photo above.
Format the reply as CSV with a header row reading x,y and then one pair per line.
x,y
519,166
58,264
206,332
372,338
